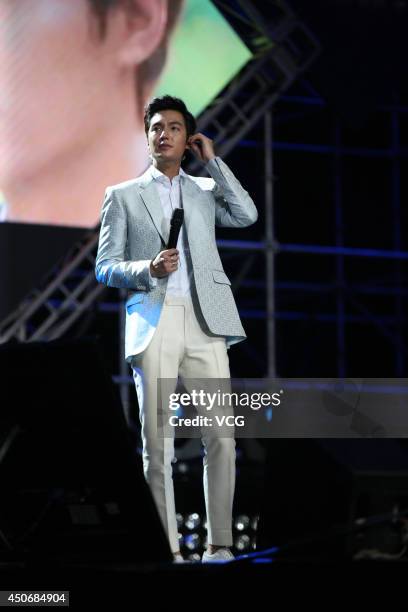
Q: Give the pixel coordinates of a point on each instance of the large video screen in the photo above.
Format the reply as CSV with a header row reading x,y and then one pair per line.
x,y
74,78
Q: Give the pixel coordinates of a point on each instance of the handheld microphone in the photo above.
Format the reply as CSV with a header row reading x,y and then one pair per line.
x,y
175,227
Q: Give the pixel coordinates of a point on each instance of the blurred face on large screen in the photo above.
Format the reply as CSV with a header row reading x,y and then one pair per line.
x,y
72,90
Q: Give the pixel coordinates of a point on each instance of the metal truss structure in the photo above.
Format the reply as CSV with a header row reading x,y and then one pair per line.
x,y
68,290
389,326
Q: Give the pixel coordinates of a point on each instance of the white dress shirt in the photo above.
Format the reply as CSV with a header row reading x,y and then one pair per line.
x,y
170,198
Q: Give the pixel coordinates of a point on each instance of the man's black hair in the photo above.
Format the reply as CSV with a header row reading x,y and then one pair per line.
x,y
169,103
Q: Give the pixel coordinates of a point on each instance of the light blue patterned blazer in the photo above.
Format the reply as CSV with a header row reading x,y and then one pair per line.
x,y
133,232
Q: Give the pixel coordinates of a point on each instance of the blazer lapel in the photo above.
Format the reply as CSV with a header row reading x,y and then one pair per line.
x,y
151,199
190,193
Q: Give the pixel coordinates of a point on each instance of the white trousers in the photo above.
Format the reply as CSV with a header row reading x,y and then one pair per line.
x,y
180,347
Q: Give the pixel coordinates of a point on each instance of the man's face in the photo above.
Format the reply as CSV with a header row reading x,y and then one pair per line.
x,y
167,136
57,84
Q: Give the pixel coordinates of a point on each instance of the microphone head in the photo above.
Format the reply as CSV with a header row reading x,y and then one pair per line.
x,y
175,226
178,216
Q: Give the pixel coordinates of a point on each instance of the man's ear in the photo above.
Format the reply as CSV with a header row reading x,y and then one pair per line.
x,y
141,25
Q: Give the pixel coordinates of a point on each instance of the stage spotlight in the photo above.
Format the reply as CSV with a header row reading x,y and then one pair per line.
x,y
192,541
242,542
254,522
242,522
179,519
182,467
192,521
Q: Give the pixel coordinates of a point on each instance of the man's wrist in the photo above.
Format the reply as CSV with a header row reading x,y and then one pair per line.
x,y
211,161
207,161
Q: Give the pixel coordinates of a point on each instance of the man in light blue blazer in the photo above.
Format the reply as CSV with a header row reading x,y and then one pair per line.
x,y
181,315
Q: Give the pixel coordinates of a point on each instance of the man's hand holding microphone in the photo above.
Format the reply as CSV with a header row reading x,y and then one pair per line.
x,y
164,263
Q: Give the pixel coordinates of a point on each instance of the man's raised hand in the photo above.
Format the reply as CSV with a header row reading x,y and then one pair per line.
x,y
202,147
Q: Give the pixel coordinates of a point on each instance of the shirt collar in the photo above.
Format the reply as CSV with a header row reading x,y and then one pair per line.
x,y
156,174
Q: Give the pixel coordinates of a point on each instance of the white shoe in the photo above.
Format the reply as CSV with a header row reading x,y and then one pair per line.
x,y
180,559
222,555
